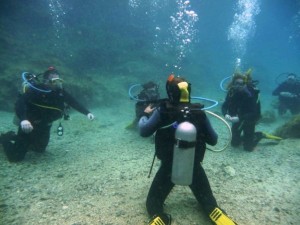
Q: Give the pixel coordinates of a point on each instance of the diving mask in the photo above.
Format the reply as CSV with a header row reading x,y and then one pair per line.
x,y
55,83
239,83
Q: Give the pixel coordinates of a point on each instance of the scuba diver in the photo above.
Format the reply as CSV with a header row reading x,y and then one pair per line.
x,y
148,96
42,103
242,108
182,131
288,93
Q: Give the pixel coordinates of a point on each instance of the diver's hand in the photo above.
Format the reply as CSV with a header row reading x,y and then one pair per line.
x,y
235,119
228,117
26,126
149,110
90,116
286,94
232,119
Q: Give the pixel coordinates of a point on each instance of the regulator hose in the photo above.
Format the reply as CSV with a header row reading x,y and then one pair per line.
x,y
26,82
229,131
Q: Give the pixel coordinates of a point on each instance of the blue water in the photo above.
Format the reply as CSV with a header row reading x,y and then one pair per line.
x,y
104,47
190,38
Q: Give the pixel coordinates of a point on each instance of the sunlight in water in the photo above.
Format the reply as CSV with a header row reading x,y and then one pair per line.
x,y
295,27
243,26
134,3
182,29
57,12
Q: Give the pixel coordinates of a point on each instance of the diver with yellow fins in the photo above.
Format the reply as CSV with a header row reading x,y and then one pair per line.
x,y
243,109
182,131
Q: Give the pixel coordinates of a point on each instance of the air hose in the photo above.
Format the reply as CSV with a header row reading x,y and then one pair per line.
x,y
27,82
133,97
218,117
229,131
222,83
215,103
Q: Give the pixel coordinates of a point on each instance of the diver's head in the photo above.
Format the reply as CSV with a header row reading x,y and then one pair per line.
x,y
150,89
51,78
238,81
178,89
238,84
291,78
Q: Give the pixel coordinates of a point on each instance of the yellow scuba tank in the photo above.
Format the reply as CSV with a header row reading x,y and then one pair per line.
x,y
184,153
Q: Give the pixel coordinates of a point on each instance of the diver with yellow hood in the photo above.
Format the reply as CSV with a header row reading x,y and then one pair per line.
x,y
182,131
243,109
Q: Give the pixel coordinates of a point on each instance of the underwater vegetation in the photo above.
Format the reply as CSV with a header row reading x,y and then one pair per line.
x,y
291,129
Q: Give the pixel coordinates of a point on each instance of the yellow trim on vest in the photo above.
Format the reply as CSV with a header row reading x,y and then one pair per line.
x,y
47,107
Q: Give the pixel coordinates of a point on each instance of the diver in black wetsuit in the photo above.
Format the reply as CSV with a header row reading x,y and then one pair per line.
x,y
36,109
149,95
242,108
160,121
288,93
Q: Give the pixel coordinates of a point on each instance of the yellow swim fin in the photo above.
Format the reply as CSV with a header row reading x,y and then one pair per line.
x,y
269,136
157,221
221,218
162,219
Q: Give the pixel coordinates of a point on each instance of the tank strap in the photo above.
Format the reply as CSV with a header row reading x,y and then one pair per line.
x,y
185,144
169,125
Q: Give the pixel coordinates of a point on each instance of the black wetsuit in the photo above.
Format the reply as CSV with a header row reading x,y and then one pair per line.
x,y
288,103
147,98
246,105
41,109
161,186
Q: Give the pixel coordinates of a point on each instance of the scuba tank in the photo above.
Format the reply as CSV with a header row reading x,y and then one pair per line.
x,y
183,154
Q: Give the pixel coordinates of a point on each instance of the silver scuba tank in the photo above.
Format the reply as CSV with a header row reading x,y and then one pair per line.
x,y
183,154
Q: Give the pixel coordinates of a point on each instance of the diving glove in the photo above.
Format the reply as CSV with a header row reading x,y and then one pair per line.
x,y
232,119
220,218
287,94
90,116
26,126
161,219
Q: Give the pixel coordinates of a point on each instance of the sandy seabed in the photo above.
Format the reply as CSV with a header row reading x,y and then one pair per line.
x,y
97,173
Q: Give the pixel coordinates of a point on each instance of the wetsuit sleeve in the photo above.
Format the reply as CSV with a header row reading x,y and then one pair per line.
x,y
254,110
225,106
75,104
147,126
21,107
279,89
211,137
